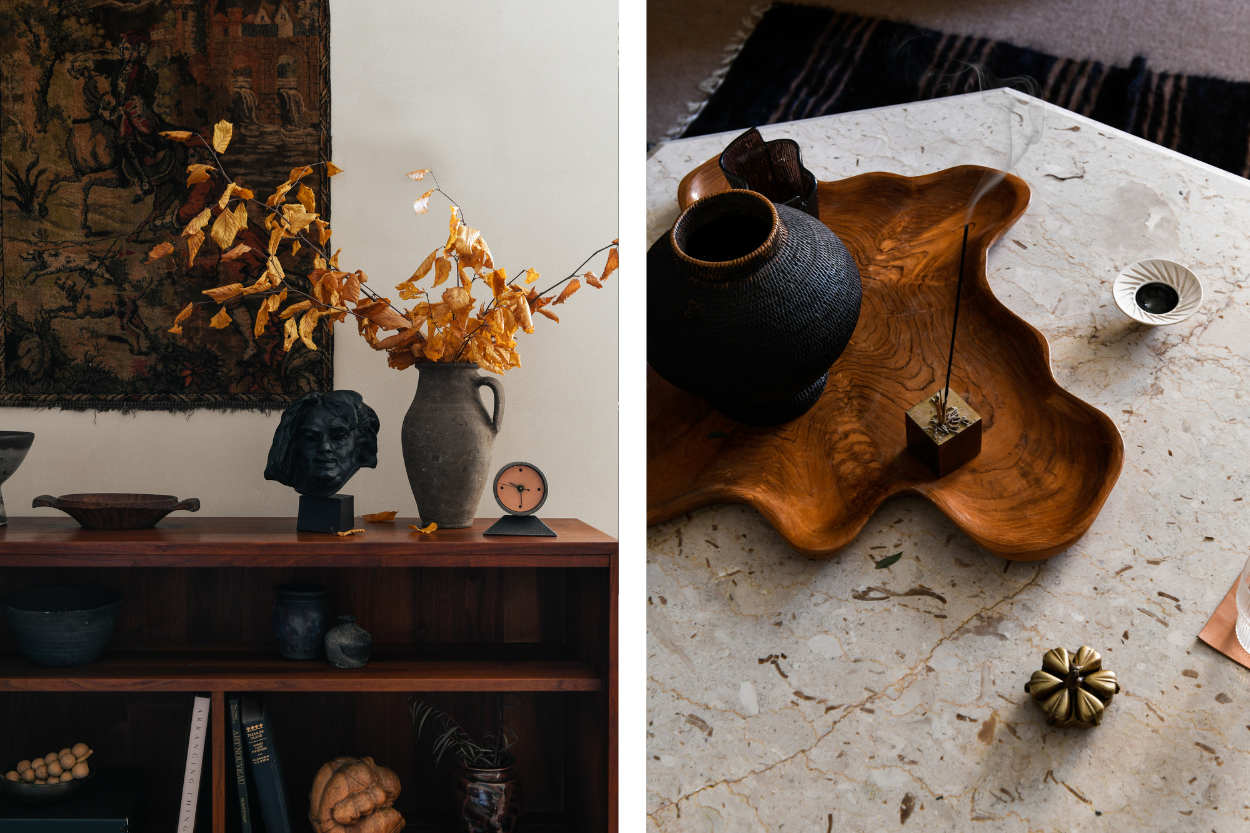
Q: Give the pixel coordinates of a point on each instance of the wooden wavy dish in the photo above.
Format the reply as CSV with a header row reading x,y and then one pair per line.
x,y
1048,460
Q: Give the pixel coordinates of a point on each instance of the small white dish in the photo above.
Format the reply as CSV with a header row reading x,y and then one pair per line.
x,y
1138,293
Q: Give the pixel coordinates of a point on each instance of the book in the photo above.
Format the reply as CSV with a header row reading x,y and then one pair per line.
x,y
195,765
113,801
240,774
262,757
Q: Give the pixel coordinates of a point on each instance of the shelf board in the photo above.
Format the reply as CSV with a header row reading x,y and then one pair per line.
x,y
497,667
273,542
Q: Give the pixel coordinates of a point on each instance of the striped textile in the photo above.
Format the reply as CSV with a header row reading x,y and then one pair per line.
x,y
801,62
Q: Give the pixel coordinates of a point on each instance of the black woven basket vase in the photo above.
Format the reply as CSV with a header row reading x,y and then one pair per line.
x,y
748,305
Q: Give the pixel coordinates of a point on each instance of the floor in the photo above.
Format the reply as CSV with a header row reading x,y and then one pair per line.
x,y
687,40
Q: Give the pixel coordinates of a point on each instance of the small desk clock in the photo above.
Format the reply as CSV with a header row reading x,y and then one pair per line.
x,y
520,490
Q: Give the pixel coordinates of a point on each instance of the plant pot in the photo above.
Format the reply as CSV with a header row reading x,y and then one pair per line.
x,y
447,438
300,619
748,305
488,800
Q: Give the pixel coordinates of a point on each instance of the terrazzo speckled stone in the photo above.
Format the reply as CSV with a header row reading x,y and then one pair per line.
x,y
794,695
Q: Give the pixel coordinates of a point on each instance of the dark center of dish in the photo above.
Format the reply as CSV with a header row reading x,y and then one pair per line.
x,y
1157,298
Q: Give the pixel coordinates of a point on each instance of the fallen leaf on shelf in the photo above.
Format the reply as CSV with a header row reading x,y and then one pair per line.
x,y
433,526
380,517
347,532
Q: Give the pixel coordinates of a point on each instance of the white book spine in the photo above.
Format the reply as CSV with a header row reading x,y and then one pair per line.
x,y
195,763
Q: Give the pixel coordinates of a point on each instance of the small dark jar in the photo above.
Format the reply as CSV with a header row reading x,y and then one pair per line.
x,y
300,619
748,305
348,644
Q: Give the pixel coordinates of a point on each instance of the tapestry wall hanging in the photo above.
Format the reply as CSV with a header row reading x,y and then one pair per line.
x,y
90,187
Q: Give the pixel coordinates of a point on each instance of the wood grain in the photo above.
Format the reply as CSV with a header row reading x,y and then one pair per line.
x,y
1221,631
404,670
273,542
1048,459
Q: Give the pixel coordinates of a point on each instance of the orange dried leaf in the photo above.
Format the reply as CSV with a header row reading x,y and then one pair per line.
x,y
573,286
222,132
262,318
332,169
549,314
422,204
531,275
592,280
348,532
178,135
404,338
198,173
193,247
226,226
351,286
297,174
222,294
160,251
295,308
425,267
425,529
417,176
457,298
297,218
182,316
323,231
290,333
380,517
198,222
220,320
613,262
400,359
237,252
522,313
306,325
307,198
442,270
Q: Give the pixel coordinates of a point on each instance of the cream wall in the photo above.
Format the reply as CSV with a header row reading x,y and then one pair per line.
x,y
514,107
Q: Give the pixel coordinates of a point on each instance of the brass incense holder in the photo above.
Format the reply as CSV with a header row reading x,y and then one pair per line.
x,y
944,438
1072,689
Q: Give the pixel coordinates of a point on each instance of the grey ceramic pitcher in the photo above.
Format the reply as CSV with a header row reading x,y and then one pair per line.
x,y
447,439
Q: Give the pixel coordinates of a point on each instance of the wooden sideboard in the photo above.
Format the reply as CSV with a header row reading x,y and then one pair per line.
x,y
455,617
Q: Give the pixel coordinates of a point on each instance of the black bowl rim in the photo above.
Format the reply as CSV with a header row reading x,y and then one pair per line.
x,y
12,601
125,500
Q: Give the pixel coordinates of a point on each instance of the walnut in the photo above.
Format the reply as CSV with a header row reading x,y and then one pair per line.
x,y
354,795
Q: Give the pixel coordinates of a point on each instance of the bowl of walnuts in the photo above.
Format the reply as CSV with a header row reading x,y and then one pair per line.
x,y
54,777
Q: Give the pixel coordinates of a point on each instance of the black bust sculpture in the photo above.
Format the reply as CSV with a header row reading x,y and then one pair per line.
x,y
322,440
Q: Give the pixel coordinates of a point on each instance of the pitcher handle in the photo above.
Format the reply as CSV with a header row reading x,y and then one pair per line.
x,y
497,417
45,500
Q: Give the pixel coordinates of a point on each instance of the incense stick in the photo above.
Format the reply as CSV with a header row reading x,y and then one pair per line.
x,y
959,285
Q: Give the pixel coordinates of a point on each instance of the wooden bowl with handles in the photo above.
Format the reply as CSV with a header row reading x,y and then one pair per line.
x,y
107,510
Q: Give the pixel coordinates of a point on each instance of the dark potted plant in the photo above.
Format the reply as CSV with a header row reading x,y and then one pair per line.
x,y
488,789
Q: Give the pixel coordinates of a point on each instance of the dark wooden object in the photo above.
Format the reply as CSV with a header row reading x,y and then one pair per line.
x,y
942,453
1048,460
105,510
456,617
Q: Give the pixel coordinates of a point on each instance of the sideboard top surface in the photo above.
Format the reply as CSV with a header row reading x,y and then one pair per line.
x,y
273,542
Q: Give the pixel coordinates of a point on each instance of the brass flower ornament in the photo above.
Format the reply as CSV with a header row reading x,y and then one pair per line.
x,y
1072,688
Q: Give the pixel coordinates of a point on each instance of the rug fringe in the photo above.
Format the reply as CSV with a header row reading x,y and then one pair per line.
x,y
710,84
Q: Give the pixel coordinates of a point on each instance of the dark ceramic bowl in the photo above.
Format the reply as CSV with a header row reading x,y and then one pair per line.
x,y
43,793
107,510
60,627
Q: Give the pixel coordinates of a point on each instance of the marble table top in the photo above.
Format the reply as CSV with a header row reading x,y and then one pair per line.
x,y
794,695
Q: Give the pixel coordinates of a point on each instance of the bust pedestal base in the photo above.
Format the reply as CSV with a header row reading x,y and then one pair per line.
x,y
336,513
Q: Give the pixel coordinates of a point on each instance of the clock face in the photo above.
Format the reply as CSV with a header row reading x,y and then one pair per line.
x,y
520,489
